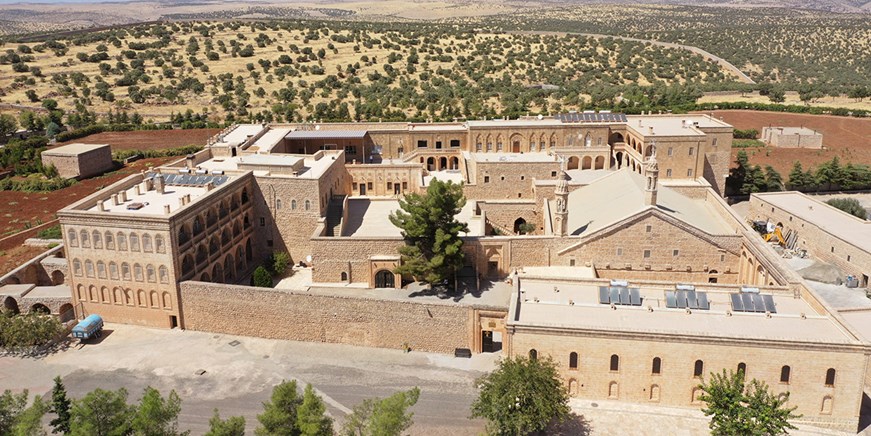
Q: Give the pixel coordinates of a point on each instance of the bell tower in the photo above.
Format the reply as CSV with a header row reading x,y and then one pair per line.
x,y
561,214
651,172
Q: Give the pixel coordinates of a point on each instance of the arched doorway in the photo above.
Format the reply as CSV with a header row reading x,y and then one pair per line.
x,y
588,163
40,308
10,305
430,164
520,226
66,312
455,163
443,163
618,157
600,162
515,146
712,276
573,163
57,277
384,279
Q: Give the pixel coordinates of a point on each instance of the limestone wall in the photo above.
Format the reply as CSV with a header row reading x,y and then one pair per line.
x,y
240,310
350,255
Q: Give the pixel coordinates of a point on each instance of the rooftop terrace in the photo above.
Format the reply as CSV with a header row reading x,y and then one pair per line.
x,y
370,218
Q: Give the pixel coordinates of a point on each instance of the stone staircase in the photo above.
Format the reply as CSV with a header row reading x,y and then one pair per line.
x,y
334,216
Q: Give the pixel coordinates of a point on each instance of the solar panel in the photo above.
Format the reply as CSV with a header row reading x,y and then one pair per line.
x,y
624,296
692,303
703,301
681,299
603,295
747,299
634,297
670,300
737,303
615,295
769,303
758,303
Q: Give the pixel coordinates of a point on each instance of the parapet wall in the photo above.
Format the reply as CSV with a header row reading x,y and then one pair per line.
x,y
302,316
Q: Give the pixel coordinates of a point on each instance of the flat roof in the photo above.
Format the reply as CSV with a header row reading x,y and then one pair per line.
x,y
240,134
269,140
576,305
370,218
57,291
152,202
833,221
673,125
270,159
526,122
621,194
326,134
795,130
437,127
311,168
445,176
73,149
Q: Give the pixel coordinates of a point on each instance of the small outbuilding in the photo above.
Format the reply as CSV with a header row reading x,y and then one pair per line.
x,y
792,137
79,160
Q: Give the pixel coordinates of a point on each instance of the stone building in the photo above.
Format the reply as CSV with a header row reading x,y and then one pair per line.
x,y
79,161
792,137
560,206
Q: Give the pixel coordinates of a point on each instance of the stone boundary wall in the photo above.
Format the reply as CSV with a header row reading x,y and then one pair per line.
x,y
300,316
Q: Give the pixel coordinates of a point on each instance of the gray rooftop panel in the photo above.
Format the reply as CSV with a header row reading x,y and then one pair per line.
x,y
604,295
624,296
670,300
769,303
634,297
747,299
758,303
681,299
703,301
737,303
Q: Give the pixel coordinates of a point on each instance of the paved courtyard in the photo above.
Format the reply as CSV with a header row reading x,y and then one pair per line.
x,y
239,378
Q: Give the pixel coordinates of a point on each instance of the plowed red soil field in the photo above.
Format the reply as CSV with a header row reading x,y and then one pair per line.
x,y
149,139
846,137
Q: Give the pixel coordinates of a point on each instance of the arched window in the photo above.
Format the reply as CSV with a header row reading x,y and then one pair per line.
x,y
830,377
73,238
101,269
86,240
89,268
137,272
125,271
159,245
122,242
573,360
211,219
615,362
533,354
183,236
167,301
784,374
657,366
198,226
146,243
308,205
742,368
163,274
292,204
225,237
134,242
698,368
244,196
277,204
110,241
113,271
344,276
98,240
77,267
149,273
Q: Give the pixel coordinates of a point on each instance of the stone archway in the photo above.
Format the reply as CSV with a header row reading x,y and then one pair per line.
x,y
10,305
430,164
384,279
618,158
443,163
57,277
600,162
587,163
40,308
520,226
573,163
66,312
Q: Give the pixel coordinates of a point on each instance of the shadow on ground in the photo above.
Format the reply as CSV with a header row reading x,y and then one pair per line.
x,y
575,425
865,414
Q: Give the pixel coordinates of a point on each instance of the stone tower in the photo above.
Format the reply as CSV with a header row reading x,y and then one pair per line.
x,y
561,214
651,172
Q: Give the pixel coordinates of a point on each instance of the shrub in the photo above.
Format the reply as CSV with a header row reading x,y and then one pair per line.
x,y
23,331
262,278
745,134
280,262
849,205
52,232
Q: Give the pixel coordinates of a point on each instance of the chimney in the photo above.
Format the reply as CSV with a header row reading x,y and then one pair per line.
x,y
115,199
166,209
210,186
159,184
181,202
650,130
138,189
123,196
100,206
189,160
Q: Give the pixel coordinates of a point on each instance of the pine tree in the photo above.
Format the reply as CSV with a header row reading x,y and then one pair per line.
x,y
157,416
382,417
434,250
280,413
310,415
60,406
773,180
232,426
101,412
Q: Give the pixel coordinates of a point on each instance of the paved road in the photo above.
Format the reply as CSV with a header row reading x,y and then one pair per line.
x,y
707,55
239,378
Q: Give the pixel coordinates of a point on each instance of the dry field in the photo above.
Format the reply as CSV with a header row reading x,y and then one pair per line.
x,y
149,139
847,138
791,99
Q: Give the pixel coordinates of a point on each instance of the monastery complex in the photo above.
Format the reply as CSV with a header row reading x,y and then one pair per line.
x,y
598,239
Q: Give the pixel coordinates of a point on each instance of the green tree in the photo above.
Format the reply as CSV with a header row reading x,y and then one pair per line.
x,y
738,407
30,120
280,262
11,408
102,413
157,416
60,405
433,251
280,413
521,396
261,277
29,422
799,179
310,415
773,179
382,417
232,426
8,124
849,205
52,129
